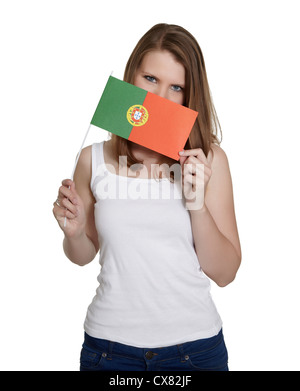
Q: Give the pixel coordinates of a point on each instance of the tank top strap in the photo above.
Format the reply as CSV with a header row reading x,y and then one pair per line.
x,y
97,161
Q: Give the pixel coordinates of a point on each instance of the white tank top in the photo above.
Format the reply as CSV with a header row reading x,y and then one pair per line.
x,y
152,291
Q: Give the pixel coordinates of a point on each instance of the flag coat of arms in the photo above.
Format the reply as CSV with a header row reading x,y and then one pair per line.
x,y
144,118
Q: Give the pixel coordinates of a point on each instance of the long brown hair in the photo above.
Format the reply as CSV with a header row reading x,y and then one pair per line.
x,y
186,50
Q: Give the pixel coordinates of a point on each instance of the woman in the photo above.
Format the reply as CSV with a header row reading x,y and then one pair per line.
x,y
153,309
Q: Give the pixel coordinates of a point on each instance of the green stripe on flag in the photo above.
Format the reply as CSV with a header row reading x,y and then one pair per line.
x,y
111,113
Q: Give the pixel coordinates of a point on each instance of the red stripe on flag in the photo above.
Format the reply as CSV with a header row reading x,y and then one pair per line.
x,y
168,126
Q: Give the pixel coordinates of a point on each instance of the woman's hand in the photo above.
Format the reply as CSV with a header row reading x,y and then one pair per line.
x,y
196,173
70,206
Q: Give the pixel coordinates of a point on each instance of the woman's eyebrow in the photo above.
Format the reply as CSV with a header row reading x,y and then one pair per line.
x,y
150,74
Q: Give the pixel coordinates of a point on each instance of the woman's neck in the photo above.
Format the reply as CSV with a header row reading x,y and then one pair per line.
x,y
142,153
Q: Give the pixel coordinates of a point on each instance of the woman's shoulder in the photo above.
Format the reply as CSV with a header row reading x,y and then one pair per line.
x,y
217,155
84,164
85,158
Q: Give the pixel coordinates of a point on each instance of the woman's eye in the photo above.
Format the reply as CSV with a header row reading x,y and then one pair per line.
x,y
150,78
177,88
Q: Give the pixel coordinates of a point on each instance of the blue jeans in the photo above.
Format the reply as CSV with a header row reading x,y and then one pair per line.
x,y
208,354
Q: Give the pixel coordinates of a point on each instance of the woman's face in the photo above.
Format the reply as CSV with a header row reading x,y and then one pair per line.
x,y
162,75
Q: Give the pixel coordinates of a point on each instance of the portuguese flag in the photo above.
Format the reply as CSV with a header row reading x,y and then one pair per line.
x,y
144,118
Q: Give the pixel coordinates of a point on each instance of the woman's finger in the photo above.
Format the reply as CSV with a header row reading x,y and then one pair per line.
x,y
70,206
67,193
198,153
68,183
189,178
60,213
195,168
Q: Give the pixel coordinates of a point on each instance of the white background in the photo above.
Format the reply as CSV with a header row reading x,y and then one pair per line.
x,y
55,59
